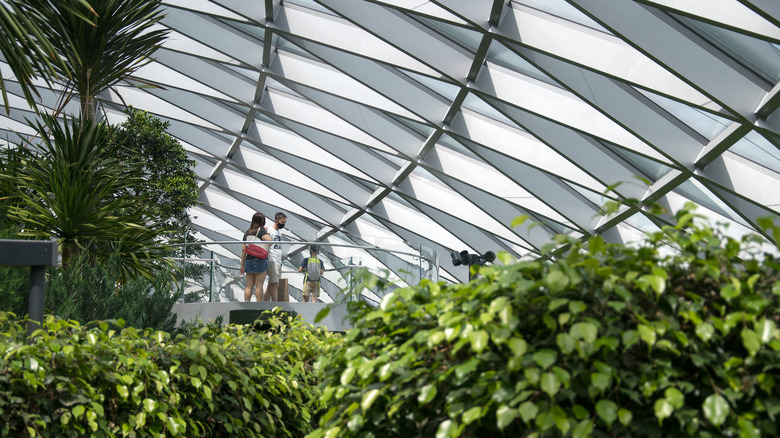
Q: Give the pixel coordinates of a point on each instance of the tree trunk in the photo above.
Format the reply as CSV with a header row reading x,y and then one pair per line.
x,y
70,250
87,107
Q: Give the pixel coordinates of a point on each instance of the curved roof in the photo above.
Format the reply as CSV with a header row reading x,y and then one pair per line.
x,y
409,123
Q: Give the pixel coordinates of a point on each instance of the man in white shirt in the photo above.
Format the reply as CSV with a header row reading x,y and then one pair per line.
x,y
275,258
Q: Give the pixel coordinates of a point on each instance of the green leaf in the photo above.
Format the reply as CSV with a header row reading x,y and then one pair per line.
x,y
704,331
554,304
766,329
472,415
600,381
595,244
347,376
751,341
427,393
748,429
580,412
561,419
584,429
657,283
565,342
629,338
544,421
78,411
545,358
322,314
663,409
505,416
716,409
675,397
479,340
519,220
557,280
122,391
576,307
369,397
518,346
533,375
149,405
585,331
563,376
550,384
528,411
607,411
729,292
647,334
333,432
447,428
625,416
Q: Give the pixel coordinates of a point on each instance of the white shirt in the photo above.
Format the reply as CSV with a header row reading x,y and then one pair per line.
x,y
275,253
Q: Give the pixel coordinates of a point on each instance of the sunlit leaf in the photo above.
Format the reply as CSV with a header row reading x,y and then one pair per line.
x,y
369,397
504,416
715,409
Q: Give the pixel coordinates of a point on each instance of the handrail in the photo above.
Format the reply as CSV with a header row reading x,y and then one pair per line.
x,y
297,242
420,257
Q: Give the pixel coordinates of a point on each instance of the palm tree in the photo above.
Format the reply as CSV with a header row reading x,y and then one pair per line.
x,y
74,189
26,51
96,57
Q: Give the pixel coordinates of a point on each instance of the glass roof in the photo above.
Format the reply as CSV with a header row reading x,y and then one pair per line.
x,y
409,123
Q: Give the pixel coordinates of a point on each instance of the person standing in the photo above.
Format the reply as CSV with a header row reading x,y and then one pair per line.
x,y
254,267
275,258
314,270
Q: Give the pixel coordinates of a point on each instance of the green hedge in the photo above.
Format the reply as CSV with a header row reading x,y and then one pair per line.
x,y
104,380
676,337
87,290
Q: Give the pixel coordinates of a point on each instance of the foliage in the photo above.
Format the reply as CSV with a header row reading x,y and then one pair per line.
x,y
14,280
85,291
14,289
168,186
102,380
76,191
121,38
604,340
28,53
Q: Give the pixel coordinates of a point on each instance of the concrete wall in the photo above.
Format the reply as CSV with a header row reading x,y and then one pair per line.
x,y
208,312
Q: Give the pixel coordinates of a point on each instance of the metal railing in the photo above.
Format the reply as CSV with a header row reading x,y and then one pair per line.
x,y
220,280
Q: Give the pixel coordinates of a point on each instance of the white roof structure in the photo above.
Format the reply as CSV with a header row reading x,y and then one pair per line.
x,y
408,123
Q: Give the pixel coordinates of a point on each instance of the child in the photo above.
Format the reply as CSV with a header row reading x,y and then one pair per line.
x,y
314,269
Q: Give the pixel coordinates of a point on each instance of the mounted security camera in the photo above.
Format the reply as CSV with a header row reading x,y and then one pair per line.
x,y
455,258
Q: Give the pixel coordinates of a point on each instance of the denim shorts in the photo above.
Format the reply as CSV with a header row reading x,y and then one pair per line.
x,y
253,265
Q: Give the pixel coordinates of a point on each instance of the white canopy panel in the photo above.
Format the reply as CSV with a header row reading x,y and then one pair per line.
x,y
433,124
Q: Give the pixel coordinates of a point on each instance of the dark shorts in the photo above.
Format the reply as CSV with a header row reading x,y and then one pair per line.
x,y
254,265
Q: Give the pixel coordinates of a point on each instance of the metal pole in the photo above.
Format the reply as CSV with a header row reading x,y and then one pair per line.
x,y
184,262
419,278
37,288
211,276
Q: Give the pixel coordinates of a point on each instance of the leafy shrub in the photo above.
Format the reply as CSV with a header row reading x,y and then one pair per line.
x,y
88,291
14,288
604,340
14,280
102,380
